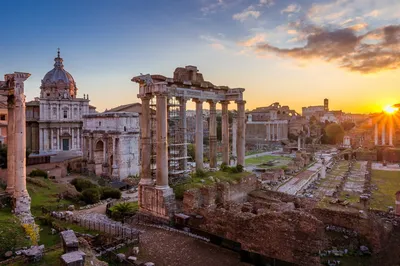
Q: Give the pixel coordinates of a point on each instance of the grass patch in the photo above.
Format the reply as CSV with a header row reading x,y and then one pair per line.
x,y
49,259
198,182
45,195
12,235
388,183
267,158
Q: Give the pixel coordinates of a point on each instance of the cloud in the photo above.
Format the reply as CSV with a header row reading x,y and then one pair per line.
x,y
212,7
345,48
258,38
246,14
292,8
266,3
217,46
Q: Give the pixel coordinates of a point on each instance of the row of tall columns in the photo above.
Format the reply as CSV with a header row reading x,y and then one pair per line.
x,y
383,133
16,152
276,131
45,144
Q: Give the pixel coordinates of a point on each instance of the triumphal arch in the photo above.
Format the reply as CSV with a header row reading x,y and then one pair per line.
x,y
164,131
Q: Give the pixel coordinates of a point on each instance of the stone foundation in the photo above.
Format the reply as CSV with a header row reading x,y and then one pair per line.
x,y
156,202
22,208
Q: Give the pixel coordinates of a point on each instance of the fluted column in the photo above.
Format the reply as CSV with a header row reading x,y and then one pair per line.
x,y
11,145
213,134
51,139
145,130
40,140
199,134
58,139
241,128
162,145
383,133
225,132
376,133
183,130
20,145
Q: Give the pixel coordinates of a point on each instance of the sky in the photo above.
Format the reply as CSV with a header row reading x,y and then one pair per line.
x,y
293,52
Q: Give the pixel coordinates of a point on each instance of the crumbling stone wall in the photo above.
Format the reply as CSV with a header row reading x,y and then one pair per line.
x,y
366,155
367,225
219,193
282,231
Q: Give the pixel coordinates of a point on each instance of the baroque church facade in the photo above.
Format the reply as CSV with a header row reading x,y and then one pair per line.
x,y
59,119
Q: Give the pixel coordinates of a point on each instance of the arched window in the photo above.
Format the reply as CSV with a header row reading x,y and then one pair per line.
x,y
124,128
65,113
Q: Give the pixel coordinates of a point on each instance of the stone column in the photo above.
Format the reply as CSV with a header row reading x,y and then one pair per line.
x,y
267,130
234,137
225,132
199,134
298,142
162,145
51,139
183,137
78,139
145,130
11,145
21,196
376,133
58,139
213,134
383,133
40,140
241,129
279,131
91,149
73,138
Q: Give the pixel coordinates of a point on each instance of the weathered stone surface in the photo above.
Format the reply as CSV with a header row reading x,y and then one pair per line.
x,y
75,258
35,253
121,257
69,240
8,254
71,208
132,258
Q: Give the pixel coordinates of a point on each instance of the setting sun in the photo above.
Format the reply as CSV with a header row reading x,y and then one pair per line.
x,y
390,109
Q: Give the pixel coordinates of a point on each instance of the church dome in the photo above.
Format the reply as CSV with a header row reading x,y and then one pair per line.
x,y
58,80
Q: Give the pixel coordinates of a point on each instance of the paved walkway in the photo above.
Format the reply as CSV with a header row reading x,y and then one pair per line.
x,y
388,167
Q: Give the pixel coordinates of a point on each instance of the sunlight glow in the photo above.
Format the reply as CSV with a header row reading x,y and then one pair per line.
x,y
390,109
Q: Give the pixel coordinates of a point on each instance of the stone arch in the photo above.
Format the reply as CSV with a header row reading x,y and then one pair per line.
x,y
99,156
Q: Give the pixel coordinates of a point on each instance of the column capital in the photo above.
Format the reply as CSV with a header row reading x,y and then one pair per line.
x,y
212,102
225,102
161,94
145,96
240,101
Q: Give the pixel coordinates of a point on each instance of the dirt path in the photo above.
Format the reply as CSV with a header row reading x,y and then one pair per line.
x,y
166,248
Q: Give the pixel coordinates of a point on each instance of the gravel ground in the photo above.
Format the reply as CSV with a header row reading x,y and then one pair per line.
x,y
166,248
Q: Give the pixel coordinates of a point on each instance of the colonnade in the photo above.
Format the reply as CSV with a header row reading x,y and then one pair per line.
x,y
386,128
51,139
277,130
162,133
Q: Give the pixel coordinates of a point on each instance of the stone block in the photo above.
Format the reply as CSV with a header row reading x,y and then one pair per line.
x,y
76,258
69,240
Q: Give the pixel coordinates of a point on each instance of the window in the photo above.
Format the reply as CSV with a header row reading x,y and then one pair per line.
x,y
48,94
2,117
99,124
65,114
124,128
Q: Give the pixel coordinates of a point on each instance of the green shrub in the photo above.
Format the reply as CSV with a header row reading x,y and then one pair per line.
x,y
38,172
124,209
200,173
91,195
239,168
82,184
224,167
108,192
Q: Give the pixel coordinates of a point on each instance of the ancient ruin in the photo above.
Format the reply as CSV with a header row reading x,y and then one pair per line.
x,y
13,88
111,144
169,147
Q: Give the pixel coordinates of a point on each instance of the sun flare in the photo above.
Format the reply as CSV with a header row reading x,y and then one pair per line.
x,y
389,109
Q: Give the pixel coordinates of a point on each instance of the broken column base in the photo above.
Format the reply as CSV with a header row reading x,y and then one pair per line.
x,y
22,208
76,258
159,202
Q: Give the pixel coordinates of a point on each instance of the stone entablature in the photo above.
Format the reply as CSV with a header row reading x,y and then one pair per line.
x,y
111,144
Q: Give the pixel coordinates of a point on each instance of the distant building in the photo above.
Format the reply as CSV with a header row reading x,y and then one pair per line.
x,y
269,124
111,144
